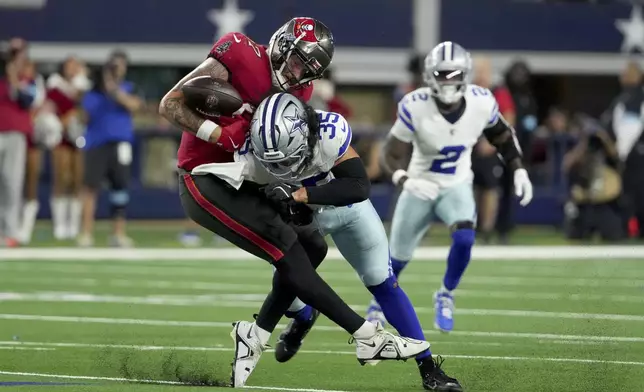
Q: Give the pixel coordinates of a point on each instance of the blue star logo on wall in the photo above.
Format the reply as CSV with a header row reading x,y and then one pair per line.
x,y
230,18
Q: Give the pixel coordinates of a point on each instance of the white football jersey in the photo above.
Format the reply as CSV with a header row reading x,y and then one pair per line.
x,y
335,139
442,150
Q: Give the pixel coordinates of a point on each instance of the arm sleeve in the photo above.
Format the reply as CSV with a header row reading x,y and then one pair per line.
x,y
502,136
350,185
404,128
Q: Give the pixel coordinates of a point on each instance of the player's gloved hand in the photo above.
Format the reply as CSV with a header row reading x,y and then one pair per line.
x,y
281,195
522,186
233,136
422,189
279,192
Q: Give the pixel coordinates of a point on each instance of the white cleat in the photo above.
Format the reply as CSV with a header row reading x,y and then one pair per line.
x,y
248,349
387,346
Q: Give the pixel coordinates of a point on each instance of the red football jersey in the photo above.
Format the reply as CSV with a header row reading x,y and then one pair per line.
x,y
249,71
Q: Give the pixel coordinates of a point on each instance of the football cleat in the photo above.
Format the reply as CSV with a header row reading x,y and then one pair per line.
x,y
444,306
375,314
435,379
291,339
248,350
387,346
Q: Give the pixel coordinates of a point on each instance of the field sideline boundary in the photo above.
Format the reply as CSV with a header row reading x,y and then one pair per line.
x,y
424,253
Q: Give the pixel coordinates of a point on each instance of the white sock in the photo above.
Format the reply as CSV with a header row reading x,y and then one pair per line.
x,y
29,213
59,216
75,211
366,331
263,335
443,289
296,306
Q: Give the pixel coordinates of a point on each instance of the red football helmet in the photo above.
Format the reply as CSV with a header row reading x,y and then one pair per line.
x,y
300,51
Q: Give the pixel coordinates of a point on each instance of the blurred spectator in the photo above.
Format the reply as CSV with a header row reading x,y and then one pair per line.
x,y
625,119
486,165
65,89
551,142
594,205
47,129
518,81
325,96
415,69
19,93
108,149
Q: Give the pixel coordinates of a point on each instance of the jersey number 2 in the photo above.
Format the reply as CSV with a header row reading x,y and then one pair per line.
x,y
447,165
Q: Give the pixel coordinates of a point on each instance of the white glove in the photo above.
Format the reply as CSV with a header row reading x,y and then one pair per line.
x,y
422,189
522,186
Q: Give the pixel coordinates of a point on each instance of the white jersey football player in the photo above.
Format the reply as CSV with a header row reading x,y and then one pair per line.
x,y
312,172
442,122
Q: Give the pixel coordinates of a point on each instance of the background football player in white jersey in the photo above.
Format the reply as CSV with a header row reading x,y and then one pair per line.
x,y
443,122
306,158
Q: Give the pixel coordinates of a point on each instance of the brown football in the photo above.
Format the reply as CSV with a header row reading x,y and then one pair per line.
x,y
211,97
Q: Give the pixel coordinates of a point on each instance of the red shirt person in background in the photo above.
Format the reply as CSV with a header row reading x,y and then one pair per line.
x,y
485,163
18,94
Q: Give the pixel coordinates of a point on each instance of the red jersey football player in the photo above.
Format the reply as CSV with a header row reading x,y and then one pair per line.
x,y
298,53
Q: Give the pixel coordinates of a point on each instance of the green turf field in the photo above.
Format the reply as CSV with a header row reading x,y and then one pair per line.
x,y
165,234
521,326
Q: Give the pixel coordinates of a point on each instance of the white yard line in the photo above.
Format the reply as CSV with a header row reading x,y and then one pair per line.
x,y
97,378
255,301
218,324
200,286
335,352
426,253
27,348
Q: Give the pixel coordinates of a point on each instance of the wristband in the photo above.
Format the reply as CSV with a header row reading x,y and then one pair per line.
x,y
206,129
398,175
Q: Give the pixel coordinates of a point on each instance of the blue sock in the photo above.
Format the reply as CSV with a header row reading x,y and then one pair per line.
x,y
459,257
399,311
398,265
303,314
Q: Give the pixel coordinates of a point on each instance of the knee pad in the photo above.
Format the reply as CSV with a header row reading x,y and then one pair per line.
x,y
464,237
119,199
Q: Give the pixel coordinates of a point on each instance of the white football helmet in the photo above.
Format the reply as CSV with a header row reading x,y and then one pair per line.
x,y
448,70
279,135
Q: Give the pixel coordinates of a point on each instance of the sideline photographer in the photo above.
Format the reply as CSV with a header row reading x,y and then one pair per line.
x,y
19,93
108,146
596,186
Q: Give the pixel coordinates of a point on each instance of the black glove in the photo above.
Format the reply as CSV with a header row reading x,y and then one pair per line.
x,y
280,194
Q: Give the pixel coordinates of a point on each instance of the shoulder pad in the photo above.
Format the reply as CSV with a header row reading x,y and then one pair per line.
x,y
335,137
235,48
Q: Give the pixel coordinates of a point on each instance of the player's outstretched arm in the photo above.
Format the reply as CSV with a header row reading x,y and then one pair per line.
x,y
350,185
172,107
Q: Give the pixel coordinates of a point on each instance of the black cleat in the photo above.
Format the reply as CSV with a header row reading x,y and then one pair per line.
x,y
435,379
291,339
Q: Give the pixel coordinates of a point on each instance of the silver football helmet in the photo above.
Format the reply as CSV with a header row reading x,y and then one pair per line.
x,y
279,136
300,51
448,70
